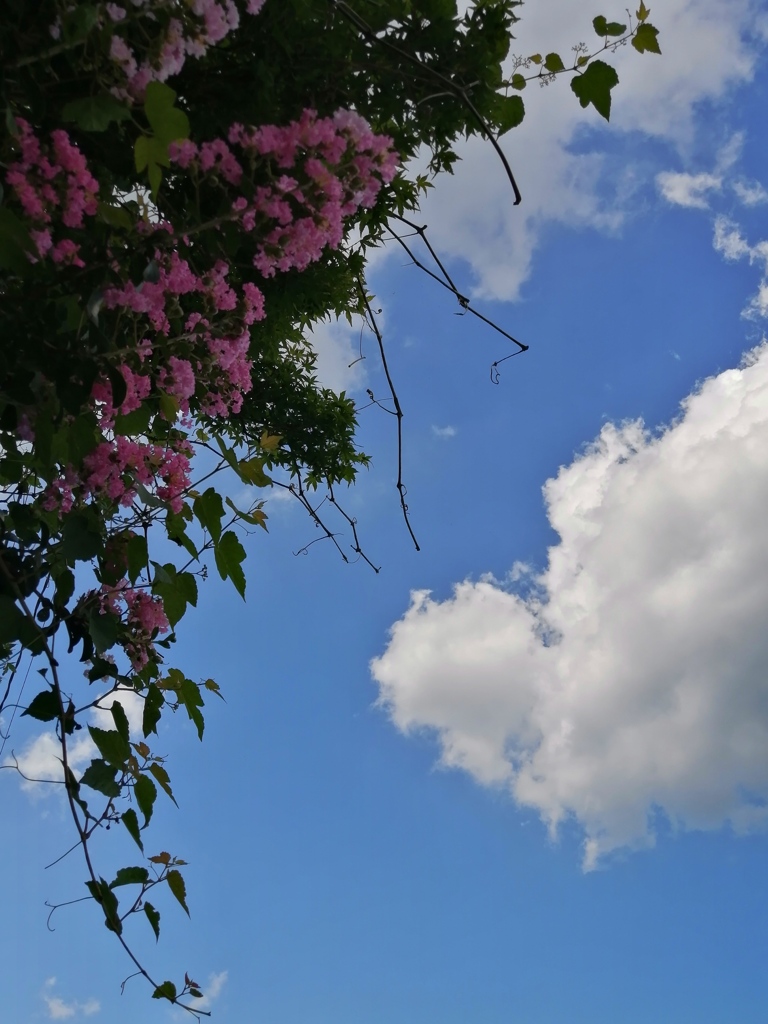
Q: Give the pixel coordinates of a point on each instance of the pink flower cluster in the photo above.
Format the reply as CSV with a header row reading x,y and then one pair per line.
x,y
199,25
116,467
144,616
53,183
337,165
210,357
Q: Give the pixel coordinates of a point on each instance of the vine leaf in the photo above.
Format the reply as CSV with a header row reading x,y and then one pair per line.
x,y
646,39
153,916
153,702
101,777
165,991
230,555
95,113
162,777
130,876
113,747
594,86
44,707
131,822
107,900
145,792
178,888
608,28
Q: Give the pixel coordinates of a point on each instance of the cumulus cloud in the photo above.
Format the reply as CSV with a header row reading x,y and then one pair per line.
x,y
444,433
750,193
729,241
338,355
688,189
471,215
39,761
58,1009
627,680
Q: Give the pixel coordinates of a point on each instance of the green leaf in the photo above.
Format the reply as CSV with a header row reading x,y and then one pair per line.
x,y
145,792
178,888
193,701
81,537
508,112
44,707
646,39
230,555
101,777
167,990
135,422
176,589
131,822
518,82
113,747
12,620
137,556
153,702
115,216
104,896
153,917
65,588
642,12
15,242
120,719
251,471
95,113
103,628
209,510
130,876
553,62
594,86
608,28
213,686
255,518
161,775
168,122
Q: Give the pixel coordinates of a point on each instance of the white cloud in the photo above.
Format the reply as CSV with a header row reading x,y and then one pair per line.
x,y
750,193
337,345
470,214
211,991
630,678
729,241
688,189
444,433
40,759
59,1010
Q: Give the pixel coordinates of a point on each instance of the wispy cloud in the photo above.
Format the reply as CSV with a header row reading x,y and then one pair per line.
x,y
444,433
731,243
58,1009
750,193
688,189
628,678
707,51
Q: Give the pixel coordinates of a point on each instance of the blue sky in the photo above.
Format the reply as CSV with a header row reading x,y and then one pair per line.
x,y
485,826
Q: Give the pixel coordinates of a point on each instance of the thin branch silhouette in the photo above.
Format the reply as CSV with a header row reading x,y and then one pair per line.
x,y
458,91
401,488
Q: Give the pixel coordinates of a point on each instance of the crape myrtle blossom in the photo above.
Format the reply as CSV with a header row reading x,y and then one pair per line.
x,y
195,26
184,331
142,613
331,167
52,183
